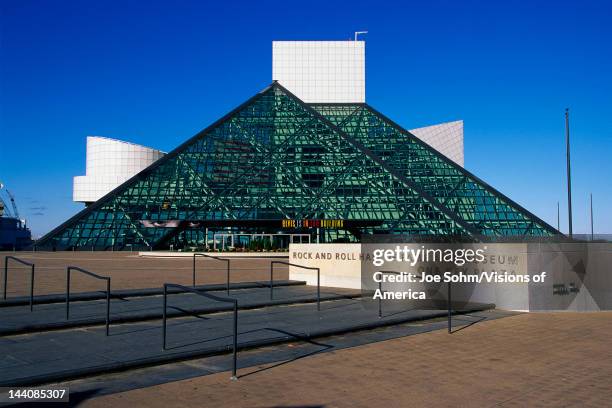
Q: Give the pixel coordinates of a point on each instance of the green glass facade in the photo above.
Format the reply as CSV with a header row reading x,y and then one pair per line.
x,y
274,158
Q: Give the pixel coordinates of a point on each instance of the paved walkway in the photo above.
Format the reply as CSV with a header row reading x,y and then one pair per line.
x,y
37,358
127,271
528,360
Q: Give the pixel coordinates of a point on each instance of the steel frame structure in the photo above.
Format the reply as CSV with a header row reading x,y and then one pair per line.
x,y
276,157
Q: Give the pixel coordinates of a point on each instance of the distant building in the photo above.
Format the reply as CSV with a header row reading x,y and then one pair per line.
x,y
14,234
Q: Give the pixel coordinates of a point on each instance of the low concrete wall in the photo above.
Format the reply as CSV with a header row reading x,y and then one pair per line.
x,y
340,264
579,275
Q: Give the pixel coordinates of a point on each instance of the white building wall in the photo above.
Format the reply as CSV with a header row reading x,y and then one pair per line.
x,y
321,71
109,163
447,138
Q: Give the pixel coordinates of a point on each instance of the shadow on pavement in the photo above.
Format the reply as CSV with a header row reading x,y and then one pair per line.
x,y
471,323
325,347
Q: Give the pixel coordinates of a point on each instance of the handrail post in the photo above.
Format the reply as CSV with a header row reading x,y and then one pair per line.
x,y
298,266
319,289
234,302
21,261
379,299
93,275
164,317
380,291
235,347
32,289
107,305
449,308
227,261
272,280
228,276
5,275
194,261
67,293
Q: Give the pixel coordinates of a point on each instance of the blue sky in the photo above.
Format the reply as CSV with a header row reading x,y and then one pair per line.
x,y
156,73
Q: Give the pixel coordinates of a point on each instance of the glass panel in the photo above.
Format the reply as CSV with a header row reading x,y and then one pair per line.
x,y
275,158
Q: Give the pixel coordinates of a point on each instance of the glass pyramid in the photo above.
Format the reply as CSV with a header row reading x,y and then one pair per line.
x,y
275,157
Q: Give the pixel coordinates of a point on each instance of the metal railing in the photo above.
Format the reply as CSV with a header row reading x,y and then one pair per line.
x,y
93,275
450,309
380,290
297,266
227,261
213,297
21,261
449,303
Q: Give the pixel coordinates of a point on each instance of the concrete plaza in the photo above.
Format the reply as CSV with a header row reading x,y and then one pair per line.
x,y
524,360
527,360
127,271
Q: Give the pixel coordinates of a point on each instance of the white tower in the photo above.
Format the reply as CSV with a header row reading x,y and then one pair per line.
x,y
321,71
109,163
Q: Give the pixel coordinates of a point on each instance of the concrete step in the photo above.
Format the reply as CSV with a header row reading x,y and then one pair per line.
x,y
126,293
41,358
19,320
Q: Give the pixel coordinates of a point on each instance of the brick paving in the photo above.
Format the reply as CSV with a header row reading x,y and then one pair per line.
x,y
528,360
127,271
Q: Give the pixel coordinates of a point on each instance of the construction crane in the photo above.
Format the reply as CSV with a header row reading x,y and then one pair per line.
x,y
12,199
